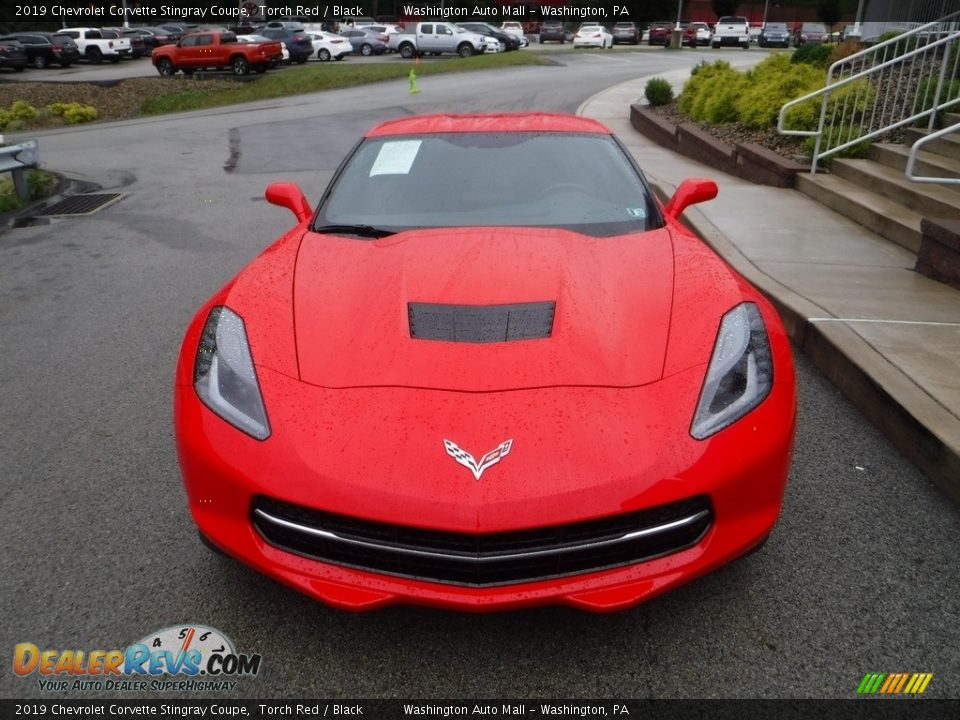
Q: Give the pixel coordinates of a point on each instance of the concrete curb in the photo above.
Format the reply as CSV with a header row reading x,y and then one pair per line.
x,y
919,426
887,397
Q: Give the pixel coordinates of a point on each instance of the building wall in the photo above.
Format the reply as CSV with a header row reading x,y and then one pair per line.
x,y
700,10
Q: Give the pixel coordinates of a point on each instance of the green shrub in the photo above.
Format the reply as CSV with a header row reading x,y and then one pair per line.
x,y
658,92
74,112
773,65
851,100
899,48
927,93
759,106
78,113
5,118
22,110
40,183
836,135
814,54
721,103
698,67
698,89
805,116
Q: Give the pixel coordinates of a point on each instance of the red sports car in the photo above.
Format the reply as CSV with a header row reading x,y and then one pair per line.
x,y
454,386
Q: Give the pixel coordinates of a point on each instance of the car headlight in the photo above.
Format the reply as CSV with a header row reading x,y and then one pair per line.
x,y
224,376
740,375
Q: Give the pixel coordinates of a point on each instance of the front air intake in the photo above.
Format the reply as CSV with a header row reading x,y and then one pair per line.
x,y
481,323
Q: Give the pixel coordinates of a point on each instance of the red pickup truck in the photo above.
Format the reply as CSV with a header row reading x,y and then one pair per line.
x,y
200,50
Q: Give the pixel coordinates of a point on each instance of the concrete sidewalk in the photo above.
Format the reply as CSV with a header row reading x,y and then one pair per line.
x,y
887,336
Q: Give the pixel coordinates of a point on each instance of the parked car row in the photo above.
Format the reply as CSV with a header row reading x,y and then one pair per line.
x,y
40,49
728,30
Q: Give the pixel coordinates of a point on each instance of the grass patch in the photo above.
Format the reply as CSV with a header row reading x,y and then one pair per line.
x,y
317,77
40,184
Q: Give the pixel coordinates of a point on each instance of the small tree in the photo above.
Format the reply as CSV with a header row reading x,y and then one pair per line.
x,y
724,7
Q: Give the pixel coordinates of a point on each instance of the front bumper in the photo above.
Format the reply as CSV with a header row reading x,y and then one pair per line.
x,y
579,454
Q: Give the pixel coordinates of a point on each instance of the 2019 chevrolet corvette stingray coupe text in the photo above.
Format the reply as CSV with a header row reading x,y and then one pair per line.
x,y
452,386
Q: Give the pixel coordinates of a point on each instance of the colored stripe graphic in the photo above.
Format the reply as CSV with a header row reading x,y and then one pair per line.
x,y
894,683
873,681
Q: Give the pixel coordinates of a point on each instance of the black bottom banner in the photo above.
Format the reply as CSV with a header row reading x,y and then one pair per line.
x,y
387,709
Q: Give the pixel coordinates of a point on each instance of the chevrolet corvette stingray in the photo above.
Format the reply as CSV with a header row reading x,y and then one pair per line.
x,y
454,386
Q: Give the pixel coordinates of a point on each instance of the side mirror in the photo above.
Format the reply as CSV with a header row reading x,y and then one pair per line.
x,y
289,195
179,43
690,192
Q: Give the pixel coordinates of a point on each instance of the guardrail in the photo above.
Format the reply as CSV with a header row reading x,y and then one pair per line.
x,y
915,148
17,159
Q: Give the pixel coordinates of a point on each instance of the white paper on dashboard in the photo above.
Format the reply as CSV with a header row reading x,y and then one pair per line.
x,y
395,158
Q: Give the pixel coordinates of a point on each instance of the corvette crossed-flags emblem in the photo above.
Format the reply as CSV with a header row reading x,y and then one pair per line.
x,y
466,459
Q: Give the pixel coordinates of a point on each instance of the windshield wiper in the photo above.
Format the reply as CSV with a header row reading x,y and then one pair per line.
x,y
361,230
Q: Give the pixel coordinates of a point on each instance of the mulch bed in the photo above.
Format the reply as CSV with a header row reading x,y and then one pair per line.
x,y
733,133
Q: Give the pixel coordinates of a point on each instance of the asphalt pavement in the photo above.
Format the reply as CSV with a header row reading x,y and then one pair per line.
x,y
97,548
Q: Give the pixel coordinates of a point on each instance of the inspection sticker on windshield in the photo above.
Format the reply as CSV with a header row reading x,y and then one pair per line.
x,y
638,213
395,158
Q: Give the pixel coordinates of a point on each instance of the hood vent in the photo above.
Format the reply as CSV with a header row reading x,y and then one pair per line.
x,y
481,323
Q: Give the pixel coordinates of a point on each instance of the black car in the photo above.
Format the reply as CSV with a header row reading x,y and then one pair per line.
x,y
626,32
297,42
774,34
177,29
138,48
552,31
510,42
45,48
154,37
12,55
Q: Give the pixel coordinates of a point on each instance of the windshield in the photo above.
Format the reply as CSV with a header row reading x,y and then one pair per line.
x,y
584,183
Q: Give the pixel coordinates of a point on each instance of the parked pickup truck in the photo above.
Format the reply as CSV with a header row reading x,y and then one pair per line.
x,y
215,49
440,37
731,30
95,48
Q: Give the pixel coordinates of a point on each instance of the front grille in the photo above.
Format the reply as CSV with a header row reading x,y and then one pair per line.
x,y
483,559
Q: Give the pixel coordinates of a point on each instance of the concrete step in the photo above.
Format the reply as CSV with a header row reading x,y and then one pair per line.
x,y
950,118
926,199
949,145
928,164
878,214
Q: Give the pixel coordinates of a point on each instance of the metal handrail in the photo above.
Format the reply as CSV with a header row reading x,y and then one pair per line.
x,y
912,158
874,66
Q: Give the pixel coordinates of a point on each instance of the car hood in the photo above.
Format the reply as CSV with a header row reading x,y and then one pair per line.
x,y
355,301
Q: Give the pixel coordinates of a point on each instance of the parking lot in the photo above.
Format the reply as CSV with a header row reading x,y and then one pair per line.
x,y
142,67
